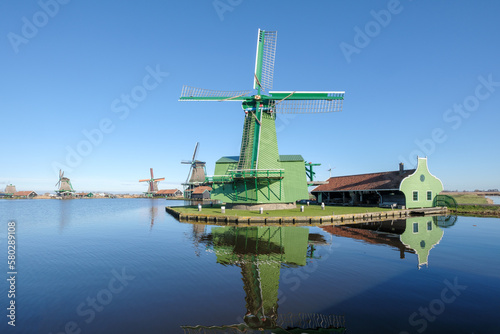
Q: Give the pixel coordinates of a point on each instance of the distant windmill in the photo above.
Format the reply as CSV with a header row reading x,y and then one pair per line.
x,y
10,189
153,184
196,175
64,184
330,169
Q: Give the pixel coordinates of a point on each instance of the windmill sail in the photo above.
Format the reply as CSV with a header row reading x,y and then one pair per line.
x,y
264,59
200,94
307,102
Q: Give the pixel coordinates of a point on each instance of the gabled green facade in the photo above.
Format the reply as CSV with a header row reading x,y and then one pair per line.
x,y
421,187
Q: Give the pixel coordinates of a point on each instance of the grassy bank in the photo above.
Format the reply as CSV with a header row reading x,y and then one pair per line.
x,y
477,210
469,199
311,210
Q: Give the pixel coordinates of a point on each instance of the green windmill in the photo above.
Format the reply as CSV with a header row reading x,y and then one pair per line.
x,y
259,176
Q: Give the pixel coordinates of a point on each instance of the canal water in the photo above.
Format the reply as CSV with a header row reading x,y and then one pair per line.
x,y
495,199
125,266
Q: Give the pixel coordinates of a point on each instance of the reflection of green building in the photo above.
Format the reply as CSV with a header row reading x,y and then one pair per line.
x,y
414,235
260,252
421,235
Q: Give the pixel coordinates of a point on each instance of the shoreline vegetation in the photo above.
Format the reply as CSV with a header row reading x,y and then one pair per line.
x,y
476,210
474,204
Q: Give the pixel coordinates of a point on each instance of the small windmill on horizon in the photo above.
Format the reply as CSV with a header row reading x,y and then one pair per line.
x,y
153,184
64,184
196,175
329,170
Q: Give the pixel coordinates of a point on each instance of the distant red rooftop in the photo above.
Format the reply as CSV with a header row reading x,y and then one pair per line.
x,y
24,193
201,189
167,191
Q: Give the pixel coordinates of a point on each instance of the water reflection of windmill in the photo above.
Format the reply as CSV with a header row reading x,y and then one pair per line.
x,y
198,235
196,175
65,187
153,212
152,184
260,252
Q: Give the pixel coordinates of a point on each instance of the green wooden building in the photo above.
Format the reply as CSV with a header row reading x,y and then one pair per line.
x,y
231,186
414,188
421,187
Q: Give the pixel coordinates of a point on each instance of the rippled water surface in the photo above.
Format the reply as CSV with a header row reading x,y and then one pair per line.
x,y
125,266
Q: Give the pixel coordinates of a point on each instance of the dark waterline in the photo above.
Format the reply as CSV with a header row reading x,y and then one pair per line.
x,y
125,266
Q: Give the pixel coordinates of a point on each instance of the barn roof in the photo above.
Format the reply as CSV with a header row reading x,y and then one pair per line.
x,y
371,181
167,191
201,189
24,193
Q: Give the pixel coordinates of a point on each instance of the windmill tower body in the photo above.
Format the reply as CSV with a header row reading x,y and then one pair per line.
x,y
10,189
259,175
65,186
198,172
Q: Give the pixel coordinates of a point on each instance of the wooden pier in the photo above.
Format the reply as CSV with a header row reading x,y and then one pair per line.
x,y
356,218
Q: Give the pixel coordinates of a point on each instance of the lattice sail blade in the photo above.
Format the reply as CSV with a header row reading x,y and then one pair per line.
x,y
195,151
201,94
264,59
298,102
307,106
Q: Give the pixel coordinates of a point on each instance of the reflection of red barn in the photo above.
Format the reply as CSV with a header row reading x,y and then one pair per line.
x,y
169,193
384,233
202,192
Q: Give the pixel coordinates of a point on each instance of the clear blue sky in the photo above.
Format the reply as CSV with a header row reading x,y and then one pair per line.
x,y
418,75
